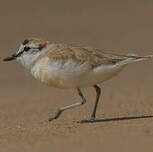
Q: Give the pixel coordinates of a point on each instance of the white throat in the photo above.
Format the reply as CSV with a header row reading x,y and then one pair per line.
x,y
28,59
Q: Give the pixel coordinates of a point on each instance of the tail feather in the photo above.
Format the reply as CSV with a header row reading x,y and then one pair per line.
x,y
131,58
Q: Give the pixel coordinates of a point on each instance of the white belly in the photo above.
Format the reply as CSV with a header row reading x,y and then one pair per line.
x,y
70,74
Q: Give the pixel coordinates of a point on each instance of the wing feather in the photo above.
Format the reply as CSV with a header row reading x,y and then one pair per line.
x,y
94,57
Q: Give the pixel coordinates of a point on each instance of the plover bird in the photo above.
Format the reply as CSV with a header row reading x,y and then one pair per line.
x,y
64,66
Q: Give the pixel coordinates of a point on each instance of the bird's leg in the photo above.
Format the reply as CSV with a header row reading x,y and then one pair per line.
x,y
58,112
98,92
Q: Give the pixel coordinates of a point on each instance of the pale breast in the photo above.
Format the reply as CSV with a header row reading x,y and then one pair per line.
x,y
70,74
60,74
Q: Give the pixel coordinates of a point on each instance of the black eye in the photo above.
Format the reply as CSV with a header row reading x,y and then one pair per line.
x,y
26,49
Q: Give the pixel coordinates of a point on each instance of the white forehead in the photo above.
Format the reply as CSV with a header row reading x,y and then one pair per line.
x,y
20,48
31,45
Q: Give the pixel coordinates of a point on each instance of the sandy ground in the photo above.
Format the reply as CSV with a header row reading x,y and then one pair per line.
x,y
125,113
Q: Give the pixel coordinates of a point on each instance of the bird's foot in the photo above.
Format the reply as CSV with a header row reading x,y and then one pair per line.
x,y
92,119
55,115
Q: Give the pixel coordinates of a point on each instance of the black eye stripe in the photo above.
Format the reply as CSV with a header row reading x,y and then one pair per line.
x,y
26,49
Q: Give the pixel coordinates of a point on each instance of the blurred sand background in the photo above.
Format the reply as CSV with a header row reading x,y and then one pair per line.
x,y
25,104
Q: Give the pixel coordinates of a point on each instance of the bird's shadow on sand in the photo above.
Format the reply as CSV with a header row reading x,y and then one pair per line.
x,y
116,119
